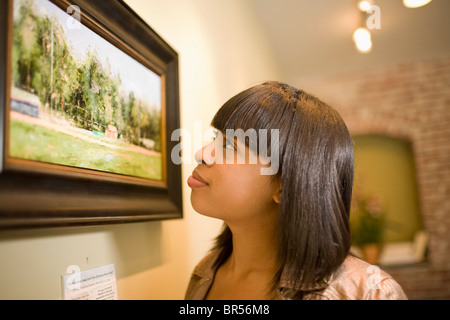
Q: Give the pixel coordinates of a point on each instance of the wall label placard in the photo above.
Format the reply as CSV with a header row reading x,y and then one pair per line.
x,y
93,284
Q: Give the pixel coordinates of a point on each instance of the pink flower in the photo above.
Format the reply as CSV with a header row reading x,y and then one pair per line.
x,y
374,205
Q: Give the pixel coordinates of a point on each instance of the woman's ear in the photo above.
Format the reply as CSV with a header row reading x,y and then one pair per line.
x,y
277,197
277,193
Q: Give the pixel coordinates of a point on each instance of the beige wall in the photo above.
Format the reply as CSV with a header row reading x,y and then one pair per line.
x,y
222,51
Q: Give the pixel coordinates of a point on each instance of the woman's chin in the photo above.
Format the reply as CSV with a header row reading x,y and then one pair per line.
x,y
203,208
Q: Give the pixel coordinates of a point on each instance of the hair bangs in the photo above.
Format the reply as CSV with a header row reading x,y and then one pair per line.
x,y
260,109
240,112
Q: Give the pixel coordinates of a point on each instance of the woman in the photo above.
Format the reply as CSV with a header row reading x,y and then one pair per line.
x,y
286,235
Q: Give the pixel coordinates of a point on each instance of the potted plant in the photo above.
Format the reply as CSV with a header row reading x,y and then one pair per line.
x,y
368,221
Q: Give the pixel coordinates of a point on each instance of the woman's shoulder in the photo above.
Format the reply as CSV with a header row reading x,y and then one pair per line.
x,y
206,265
359,280
202,277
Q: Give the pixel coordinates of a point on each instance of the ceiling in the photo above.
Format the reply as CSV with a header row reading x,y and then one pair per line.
x,y
311,37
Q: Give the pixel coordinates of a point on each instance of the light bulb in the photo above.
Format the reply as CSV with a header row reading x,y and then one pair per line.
x,y
362,39
364,5
415,3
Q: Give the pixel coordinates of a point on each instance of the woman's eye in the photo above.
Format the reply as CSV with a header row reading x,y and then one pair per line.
x,y
214,135
229,145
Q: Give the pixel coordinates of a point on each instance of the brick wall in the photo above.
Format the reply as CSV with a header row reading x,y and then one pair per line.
x,y
409,100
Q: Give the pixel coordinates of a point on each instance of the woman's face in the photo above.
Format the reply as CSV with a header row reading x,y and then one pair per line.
x,y
230,186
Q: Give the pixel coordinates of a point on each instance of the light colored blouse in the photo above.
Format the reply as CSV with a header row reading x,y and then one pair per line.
x,y
354,280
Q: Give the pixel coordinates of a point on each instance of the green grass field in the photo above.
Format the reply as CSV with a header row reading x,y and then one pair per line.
x,y
31,142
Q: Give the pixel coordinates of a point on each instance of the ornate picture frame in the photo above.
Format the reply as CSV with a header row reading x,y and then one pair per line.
x,y
88,98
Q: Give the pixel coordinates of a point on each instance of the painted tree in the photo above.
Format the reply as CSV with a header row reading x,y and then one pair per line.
x,y
86,91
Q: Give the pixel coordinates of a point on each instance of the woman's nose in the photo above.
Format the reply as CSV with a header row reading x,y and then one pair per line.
x,y
205,155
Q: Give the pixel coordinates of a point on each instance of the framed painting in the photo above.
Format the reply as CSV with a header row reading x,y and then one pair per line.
x,y
88,98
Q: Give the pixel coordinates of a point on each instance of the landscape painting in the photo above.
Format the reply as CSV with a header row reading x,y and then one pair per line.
x,y
79,101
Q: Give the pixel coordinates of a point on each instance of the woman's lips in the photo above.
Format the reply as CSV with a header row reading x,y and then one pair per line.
x,y
195,181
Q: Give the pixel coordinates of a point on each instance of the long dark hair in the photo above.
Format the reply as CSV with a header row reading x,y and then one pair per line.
x,y
316,170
